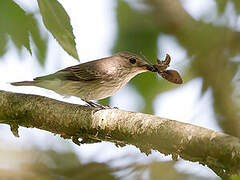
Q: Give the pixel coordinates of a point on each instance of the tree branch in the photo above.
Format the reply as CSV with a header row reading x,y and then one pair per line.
x,y
219,151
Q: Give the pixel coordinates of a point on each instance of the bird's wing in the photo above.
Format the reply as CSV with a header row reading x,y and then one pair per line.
x,y
79,72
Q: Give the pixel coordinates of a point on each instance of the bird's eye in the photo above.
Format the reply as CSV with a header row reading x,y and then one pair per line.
x,y
132,60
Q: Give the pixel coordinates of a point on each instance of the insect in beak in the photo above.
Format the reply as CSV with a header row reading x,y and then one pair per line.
x,y
170,75
161,68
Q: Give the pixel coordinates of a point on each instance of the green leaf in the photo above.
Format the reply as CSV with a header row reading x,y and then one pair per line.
x,y
58,23
41,43
13,21
19,25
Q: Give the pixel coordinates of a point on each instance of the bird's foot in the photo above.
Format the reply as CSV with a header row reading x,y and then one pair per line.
x,y
96,105
99,106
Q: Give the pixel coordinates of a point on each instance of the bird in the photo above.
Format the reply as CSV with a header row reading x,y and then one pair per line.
x,y
93,80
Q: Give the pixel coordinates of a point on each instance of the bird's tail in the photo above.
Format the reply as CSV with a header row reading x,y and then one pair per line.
x,y
23,83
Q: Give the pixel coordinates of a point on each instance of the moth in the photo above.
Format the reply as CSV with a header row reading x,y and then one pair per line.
x,y
161,68
170,75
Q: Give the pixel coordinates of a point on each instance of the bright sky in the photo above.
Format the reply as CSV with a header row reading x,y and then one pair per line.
x,y
95,30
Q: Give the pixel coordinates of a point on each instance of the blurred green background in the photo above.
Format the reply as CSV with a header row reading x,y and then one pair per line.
x,y
210,38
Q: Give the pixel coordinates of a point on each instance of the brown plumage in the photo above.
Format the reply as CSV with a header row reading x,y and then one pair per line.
x,y
101,78
93,80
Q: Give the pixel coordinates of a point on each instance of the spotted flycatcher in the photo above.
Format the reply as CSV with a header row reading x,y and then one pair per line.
x,y
93,80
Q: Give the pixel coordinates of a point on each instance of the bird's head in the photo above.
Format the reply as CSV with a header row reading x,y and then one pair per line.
x,y
135,63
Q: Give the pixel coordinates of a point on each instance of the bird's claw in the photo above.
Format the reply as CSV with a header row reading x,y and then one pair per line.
x,y
99,107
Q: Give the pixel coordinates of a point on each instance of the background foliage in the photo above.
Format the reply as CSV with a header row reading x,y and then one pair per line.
x,y
212,48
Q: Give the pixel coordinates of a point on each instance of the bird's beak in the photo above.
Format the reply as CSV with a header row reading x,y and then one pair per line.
x,y
148,67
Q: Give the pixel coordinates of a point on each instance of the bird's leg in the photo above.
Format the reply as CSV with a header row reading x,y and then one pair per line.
x,y
100,106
